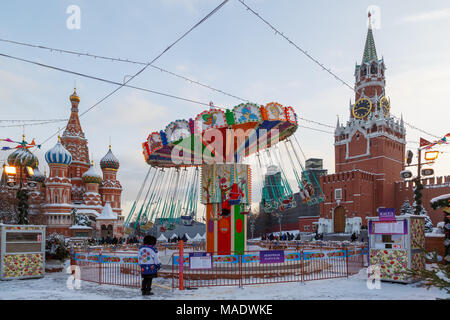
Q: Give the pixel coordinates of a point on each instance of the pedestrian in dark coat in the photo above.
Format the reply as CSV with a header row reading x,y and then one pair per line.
x,y
149,263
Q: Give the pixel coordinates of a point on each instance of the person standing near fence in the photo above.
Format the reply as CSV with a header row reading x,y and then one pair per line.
x,y
149,263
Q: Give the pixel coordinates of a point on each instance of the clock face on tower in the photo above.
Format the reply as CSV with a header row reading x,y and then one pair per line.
x,y
362,108
385,105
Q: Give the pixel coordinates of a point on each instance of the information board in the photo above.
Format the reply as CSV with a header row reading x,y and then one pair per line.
x,y
389,227
200,260
274,256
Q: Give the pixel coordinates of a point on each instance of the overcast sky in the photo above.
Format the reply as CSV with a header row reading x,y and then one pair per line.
x,y
233,51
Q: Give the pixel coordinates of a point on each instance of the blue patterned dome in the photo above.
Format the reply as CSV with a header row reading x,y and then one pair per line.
x,y
58,155
109,161
91,176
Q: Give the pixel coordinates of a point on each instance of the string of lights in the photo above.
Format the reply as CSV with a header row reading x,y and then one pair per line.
x,y
148,64
30,120
277,32
32,123
320,130
102,79
137,88
81,54
321,65
130,86
177,75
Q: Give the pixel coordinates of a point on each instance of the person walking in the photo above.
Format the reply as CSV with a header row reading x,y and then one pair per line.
x,y
149,263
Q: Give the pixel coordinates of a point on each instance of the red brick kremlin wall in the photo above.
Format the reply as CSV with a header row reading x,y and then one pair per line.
x,y
432,187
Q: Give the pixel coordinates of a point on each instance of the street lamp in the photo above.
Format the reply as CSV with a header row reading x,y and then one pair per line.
x,y
22,196
430,156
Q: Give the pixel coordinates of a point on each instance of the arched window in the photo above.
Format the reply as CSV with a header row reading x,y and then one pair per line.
x,y
363,70
373,68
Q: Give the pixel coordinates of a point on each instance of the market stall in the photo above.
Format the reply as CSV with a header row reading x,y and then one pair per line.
x,y
22,251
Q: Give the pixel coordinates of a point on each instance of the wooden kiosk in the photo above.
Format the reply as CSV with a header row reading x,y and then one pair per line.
x,y
395,245
22,251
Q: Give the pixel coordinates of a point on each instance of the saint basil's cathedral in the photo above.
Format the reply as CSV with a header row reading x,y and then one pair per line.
x,y
74,183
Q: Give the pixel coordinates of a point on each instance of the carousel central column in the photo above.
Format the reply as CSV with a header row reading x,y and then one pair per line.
x,y
225,192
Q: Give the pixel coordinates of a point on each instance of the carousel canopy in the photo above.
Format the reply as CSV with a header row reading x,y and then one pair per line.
x,y
208,138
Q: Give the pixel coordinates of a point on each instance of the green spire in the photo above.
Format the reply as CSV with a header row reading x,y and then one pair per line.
x,y
370,52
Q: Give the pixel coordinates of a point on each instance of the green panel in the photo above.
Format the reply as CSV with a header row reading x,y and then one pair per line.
x,y
229,116
239,238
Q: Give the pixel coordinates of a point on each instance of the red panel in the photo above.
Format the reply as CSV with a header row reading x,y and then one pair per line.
x,y
224,236
209,230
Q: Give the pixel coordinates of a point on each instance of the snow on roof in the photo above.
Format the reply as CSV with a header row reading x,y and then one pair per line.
x,y
87,211
79,227
441,197
198,237
162,238
107,213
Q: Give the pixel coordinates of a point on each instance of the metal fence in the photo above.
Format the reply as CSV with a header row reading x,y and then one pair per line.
x,y
247,269
226,270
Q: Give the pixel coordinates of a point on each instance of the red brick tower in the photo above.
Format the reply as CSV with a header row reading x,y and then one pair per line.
x,y
74,141
58,206
92,180
110,188
369,149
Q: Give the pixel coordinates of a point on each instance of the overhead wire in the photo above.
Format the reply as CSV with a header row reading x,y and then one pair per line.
x,y
149,63
77,53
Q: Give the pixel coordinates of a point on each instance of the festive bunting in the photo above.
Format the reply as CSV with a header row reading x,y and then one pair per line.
x,y
428,145
22,144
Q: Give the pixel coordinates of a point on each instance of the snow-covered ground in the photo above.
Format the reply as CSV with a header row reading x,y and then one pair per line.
x,y
54,287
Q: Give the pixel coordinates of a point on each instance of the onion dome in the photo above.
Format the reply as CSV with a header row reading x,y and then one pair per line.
x,y
23,157
109,161
74,96
58,155
38,176
91,176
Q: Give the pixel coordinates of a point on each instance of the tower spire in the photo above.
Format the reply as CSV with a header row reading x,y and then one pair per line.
x,y
370,52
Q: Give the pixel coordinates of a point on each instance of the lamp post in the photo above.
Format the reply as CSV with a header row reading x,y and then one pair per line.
x,y
21,195
252,224
417,180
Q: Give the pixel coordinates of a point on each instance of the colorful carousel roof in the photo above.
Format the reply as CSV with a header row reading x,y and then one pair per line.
x,y
220,136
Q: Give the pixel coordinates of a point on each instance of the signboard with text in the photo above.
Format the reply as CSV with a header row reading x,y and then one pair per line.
x,y
386,214
200,260
389,227
274,256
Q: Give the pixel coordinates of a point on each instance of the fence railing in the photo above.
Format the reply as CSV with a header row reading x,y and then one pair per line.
x,y
162,247
121,268
247,269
